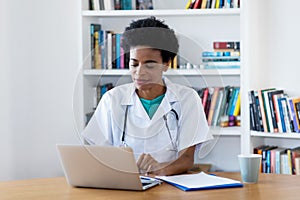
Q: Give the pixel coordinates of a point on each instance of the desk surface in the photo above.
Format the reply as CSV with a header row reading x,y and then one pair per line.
x,y
270,186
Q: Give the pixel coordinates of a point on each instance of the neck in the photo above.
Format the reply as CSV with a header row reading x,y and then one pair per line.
x,y
152,93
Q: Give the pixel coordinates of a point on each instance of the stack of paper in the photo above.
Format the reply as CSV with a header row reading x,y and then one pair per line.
x,y
200,181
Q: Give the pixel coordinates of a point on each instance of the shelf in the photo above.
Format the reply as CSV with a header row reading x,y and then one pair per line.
x,y
275,135
227,131
170,72
177,12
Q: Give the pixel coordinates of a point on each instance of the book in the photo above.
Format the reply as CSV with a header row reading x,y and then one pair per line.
x,y
272,109
126,5
259,150
281,115
265,160
203,4
189,5
208,3
233,101
237,107
223,103
295,153
285,112
117,5
204,97
267,109
233,45
254,111
277,112
278,152
97,51
297,110
297,166
293,115
144,5
213,4
284,166
221,54
259,115
216,115
200,181
262,108
213,105
197,4
93,29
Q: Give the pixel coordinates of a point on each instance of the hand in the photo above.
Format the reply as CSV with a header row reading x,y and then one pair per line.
x,y
148,165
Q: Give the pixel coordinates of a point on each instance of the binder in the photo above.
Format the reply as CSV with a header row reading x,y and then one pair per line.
x,y
200,181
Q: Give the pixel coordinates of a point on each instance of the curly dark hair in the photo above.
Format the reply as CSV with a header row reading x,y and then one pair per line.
x,y
151,32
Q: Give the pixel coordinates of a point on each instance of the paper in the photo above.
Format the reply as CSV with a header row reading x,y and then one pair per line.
x,y
200,181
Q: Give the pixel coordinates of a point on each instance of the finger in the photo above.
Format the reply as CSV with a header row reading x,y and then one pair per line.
x,y
144,161
140,160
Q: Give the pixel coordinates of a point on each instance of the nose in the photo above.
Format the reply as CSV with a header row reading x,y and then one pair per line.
x,y
140,69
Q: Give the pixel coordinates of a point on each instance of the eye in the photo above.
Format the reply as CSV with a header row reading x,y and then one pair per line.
x,y
151,65
133,64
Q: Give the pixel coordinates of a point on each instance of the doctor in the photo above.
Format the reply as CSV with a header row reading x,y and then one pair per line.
x,y
161,121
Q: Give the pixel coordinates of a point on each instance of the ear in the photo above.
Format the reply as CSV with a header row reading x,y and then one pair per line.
x,y
166,66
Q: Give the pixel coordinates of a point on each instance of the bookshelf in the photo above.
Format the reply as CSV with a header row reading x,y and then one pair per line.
x,y
196,30
270,44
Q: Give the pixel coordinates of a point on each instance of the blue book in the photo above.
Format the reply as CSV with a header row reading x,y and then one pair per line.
x,y
118,50
281,115
233,101
126,4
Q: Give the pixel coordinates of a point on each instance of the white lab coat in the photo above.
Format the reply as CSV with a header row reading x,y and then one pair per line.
x,y
145,135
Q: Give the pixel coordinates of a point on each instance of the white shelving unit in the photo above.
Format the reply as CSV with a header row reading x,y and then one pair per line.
x,y
271,38
196,30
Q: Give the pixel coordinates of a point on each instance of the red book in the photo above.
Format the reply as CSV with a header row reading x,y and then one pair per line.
x,y
197,4
226,45
204,98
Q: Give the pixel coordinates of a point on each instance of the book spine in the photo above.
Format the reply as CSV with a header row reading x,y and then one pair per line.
x,y
234,45
126,5
212,106
281,115
118,50
197,4
268,112
293,114
285,114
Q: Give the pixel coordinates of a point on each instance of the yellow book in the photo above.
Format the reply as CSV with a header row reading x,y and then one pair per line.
x,y
237,108
175,62
188,4
97,58
203,5
217,4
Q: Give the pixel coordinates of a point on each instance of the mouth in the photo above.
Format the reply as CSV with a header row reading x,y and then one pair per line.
x,y
140,81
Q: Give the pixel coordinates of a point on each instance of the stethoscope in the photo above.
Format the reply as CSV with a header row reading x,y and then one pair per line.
x,y
174,146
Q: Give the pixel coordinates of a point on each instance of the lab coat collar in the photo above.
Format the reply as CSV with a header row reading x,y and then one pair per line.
x,y
131,98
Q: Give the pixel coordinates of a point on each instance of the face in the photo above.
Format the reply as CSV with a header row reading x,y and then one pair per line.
x,y
146,67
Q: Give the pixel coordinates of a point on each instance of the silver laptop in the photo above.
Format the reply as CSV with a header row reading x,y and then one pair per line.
x,y
102,167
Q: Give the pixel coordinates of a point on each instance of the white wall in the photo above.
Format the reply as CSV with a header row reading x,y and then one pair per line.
x,y
39,60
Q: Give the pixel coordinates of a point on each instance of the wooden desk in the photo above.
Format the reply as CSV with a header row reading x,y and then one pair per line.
x,y
270,186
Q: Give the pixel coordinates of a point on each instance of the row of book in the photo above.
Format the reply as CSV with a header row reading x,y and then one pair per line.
x,y
225,55
271,110
212,4
279,160
98,92
221,105
106,51
120,5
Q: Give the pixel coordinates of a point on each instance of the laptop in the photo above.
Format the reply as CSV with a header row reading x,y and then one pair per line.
x,y
107,167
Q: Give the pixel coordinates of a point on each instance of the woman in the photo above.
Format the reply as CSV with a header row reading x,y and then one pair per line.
x,y
161,121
